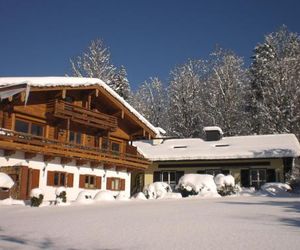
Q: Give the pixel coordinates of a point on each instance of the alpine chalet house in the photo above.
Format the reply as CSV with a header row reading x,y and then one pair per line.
x,y
67,131
252,160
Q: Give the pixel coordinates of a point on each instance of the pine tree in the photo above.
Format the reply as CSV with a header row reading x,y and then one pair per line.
x,y
96,62
121,84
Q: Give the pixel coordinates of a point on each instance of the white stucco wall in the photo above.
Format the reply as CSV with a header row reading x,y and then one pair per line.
x,y
37,163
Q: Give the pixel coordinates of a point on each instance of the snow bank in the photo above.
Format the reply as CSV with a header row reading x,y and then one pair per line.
x,y
197,182
168,196
275,189
36,192
84,197
104,195
139,196
224,181
6,181
156,190
122,196
10,201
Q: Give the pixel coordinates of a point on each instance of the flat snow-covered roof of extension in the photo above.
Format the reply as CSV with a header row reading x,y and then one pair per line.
x,y
235,147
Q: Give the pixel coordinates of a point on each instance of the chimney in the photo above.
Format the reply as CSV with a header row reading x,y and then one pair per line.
x,y
213,133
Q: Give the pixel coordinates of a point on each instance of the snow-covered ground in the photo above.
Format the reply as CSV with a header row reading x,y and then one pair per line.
x,y
243,222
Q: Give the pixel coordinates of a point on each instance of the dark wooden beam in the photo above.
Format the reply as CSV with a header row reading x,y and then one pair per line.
x,y
9,152
80,162
65,160
48,158
29,156
95,164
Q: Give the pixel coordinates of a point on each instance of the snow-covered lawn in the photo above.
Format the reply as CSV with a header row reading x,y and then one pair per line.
x,y
253,222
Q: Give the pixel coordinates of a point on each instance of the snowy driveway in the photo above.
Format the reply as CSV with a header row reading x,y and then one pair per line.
x,y
223,223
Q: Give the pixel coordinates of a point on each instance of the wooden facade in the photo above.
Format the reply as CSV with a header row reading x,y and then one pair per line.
x,y
87,125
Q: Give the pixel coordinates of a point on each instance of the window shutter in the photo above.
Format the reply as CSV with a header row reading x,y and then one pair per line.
x,y
98,182
70,178
122,184
81,181
35,178
50,178
108,183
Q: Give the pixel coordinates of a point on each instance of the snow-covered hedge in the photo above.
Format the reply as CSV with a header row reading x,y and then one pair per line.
x,y
275,189
121,196
104,195
156,190
194,184
85,197
225,184
61,195
36,197
139,196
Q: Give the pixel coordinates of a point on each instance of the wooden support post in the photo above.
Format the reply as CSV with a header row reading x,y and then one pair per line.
x,y
64,94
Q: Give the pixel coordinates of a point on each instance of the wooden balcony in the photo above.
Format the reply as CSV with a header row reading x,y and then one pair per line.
x,y
65,110
11,141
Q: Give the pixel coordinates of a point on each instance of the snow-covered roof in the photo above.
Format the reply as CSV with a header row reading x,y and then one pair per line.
x,y
235,147
73,82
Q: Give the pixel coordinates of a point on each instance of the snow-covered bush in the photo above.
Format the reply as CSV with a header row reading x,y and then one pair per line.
x,y
156,190
36,197
61,195
84,197
104,195
275,189
121,196
226,184
194,184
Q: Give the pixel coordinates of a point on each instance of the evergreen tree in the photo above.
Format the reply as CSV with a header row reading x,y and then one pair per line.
x,y
121,84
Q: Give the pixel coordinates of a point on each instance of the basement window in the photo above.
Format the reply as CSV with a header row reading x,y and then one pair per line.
x,y
180,146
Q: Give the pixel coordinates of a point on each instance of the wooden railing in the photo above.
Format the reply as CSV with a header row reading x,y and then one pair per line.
x,y
82,115
12,140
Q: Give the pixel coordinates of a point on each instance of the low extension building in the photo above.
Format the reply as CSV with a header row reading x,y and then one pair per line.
x,y
67,131
252,160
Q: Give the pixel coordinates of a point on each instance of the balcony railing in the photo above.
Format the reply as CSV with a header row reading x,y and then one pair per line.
x,y
12,140
65,110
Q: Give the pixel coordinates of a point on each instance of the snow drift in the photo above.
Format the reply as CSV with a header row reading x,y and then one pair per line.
x,y
104,195
6,181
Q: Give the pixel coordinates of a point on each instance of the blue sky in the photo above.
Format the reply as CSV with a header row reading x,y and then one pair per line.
x,y
148,37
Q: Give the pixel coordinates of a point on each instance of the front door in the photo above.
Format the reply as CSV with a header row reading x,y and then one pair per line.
x,y
257,178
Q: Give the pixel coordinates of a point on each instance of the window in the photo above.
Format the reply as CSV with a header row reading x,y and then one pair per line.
x,y
115,184
170,177
75,137
105,143
22,126
89,181
36,129
59,179
29,128
115,147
